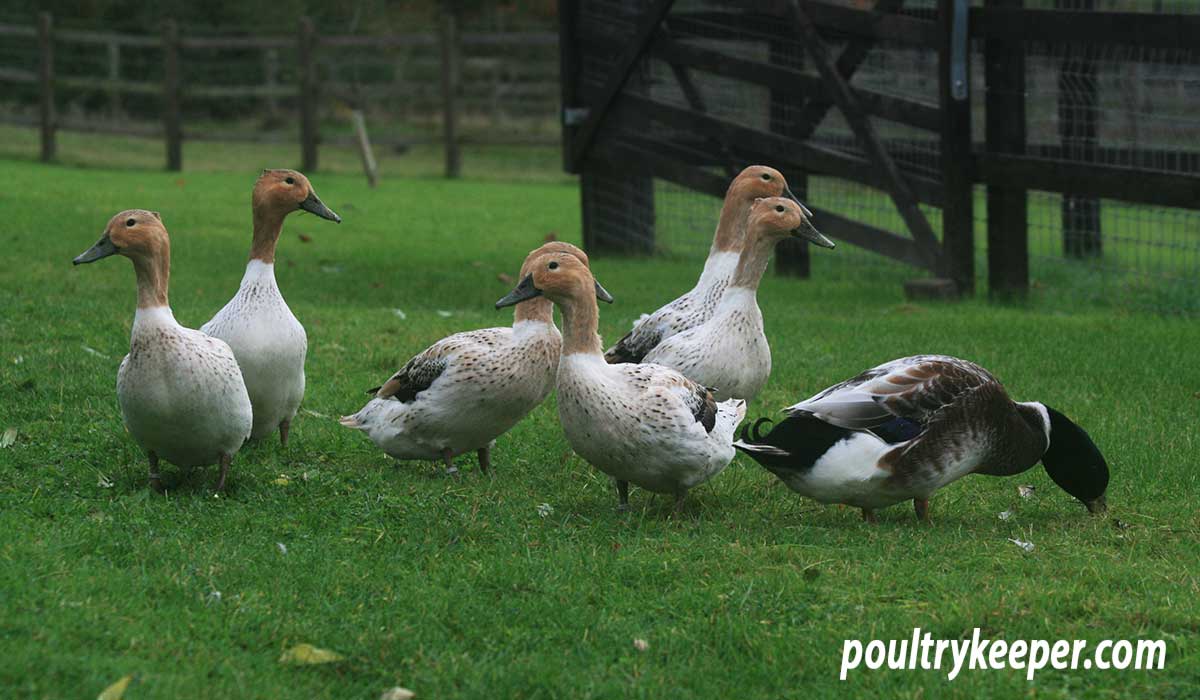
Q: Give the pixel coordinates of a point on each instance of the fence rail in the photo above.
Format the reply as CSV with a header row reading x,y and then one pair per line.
x,y
456,78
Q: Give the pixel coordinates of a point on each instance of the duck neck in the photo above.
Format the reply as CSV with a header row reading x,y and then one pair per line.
x,y
538,309
153,274
756,254
731,227
581,321
268,223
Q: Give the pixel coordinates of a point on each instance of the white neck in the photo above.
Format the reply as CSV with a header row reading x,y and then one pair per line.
x,y
737,299
1041,409
720,265
258,271
153,317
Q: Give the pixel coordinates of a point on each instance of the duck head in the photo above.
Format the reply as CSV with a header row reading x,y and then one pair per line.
x,y
137,234
284,191
559,276
1074,462
754,182
776,218
540,308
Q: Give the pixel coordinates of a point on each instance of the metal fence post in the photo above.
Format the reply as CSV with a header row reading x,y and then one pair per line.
x,y
45,33
308,98
450,77
1007,207
954,85
172,126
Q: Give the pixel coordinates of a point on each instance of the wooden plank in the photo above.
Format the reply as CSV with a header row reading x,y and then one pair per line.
x,y
172,119
618,156
1152,30
1007,207
569,64
958,213
241,91
306,41
1090,180
46,115
236,42
864,130
381,41
451,56
841,19
134,87
647,25
364,147
18,30
17,75
84,36
876,240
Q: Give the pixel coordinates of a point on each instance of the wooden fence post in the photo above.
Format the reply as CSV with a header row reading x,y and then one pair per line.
x,y
271,79
308,97
172,125
46,114
1007,207
791,254
1078,117
450,77
958,212
114,76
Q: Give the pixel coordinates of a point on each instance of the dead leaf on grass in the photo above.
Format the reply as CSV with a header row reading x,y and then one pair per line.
x,y
397,693
9,437
116,691
308,655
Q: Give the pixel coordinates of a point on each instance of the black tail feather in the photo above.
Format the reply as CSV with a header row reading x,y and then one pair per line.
x,y
794,444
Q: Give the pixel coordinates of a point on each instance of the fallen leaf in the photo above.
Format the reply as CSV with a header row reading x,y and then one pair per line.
x,y
9,437
1005,515
281,547
545,509
212,597
331,269
18,359
305,238
397,693
94,351
476,263
444,314
281,481
1026,491
1027,546
641,644
400,314
307,655
505,278
116,691
552,236
180,182
104,483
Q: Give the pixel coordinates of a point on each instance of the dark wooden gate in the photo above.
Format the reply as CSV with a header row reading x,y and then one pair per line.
x,y
620,133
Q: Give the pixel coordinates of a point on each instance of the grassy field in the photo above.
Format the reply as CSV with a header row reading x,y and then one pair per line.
x,y
470,587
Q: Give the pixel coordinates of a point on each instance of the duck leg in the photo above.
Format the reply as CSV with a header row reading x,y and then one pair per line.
x,y
679,498
622,495
921,505
451,470
225,461
155,478
284,427
869,516
485,459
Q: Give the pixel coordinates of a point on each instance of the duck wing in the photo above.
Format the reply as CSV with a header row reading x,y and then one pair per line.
x,y
913,389
420,372
656,384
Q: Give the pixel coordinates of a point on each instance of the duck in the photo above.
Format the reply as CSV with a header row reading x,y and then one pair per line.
x,y
700,302
180,390
466,390
908,427
643,424
729,352
268,340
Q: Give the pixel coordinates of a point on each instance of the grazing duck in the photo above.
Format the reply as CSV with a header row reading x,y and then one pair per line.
x,y
269,342
638,423
698,305
466,390
729,352
181,392
909,427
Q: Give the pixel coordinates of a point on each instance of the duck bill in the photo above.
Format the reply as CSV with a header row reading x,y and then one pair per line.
x,y
787,192
602,293
313,205
523,292
810,233
103,248
1097,505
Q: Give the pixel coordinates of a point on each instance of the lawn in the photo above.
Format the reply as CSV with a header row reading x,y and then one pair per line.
x,y
471,586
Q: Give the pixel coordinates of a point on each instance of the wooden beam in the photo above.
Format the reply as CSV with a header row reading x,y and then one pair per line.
x,y
450,62
1151,30
306,47
860,124
1090,179
646,27
46,112
1007,207
172,103
958,213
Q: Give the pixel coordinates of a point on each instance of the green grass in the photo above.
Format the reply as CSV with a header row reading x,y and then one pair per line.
x,y
460,588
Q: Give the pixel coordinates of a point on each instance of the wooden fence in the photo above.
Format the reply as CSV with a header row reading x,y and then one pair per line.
x,y
309,85
620,123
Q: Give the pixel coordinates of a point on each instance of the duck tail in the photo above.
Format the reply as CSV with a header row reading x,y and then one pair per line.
x,y
351,422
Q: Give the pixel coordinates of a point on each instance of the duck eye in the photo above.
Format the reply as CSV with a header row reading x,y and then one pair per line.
x,y
779,208
766,176
130,222
290,180
553,266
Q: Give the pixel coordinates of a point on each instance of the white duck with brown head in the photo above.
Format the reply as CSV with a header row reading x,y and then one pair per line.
x,y
698,305
638,423
466,390
181,392
729,352
268,340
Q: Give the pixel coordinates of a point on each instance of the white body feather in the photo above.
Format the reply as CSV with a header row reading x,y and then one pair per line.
x,y
633,422
269,343
181,392
493,378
